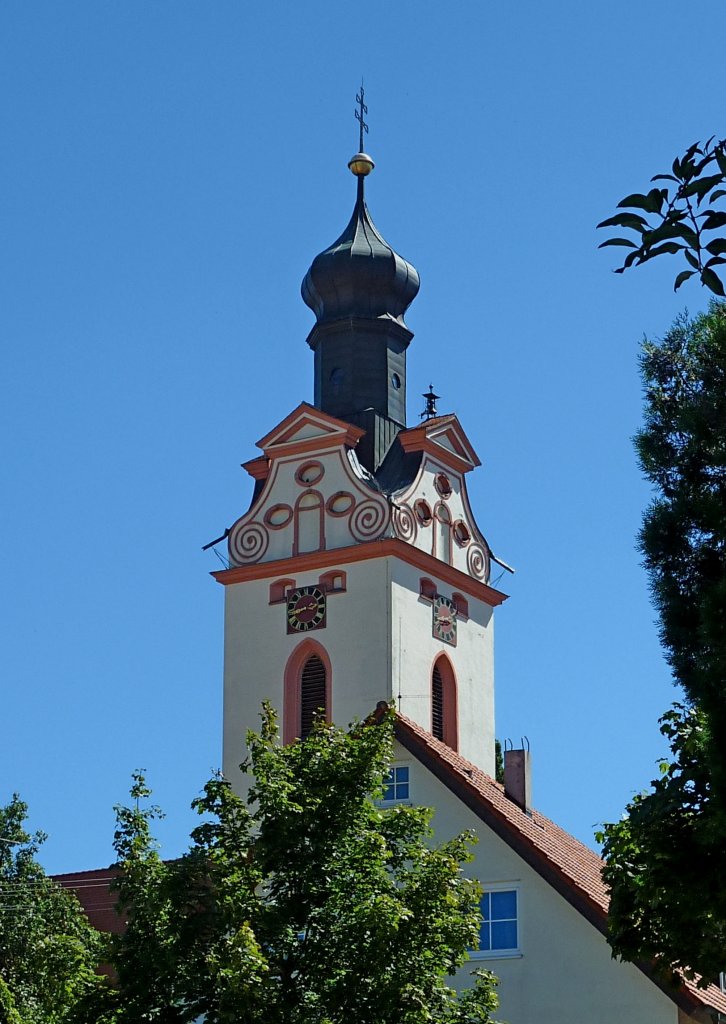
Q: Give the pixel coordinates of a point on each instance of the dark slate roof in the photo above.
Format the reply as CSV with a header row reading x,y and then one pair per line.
x,y
398,469
360,275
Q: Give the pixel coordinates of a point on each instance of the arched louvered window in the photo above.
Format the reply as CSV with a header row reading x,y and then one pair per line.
x,y
312,694
437,704
444,724
308,688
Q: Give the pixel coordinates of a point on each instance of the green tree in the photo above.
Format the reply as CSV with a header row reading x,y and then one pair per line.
x,y
305,903
48,950
682,216
666,859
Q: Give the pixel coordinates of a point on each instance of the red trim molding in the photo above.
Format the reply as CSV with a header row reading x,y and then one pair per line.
x,y
258,468
419,443
308,415
389,547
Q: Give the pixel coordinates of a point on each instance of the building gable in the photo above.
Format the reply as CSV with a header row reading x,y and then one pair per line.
x,y
569,867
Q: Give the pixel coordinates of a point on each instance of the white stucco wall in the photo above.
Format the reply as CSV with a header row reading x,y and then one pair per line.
x,y
378,637
565,973
257,649
415,650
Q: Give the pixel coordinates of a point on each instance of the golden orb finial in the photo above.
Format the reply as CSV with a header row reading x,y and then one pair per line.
x,y
361,165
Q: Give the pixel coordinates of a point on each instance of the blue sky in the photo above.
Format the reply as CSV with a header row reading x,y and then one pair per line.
x,y
169,171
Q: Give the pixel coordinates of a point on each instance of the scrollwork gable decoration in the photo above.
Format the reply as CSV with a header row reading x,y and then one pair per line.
x,y
248,542
431,511
404,523
433,514
309,495
369,520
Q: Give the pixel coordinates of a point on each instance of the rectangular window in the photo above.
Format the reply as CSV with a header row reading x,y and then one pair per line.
x,y
395,784
498,930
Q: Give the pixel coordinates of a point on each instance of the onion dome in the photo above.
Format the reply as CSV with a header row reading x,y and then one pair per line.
x,y
360,275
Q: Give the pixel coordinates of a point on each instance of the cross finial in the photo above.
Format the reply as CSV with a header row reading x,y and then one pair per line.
x,y
360,100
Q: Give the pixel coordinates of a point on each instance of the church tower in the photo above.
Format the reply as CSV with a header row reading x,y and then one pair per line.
x,y
358,573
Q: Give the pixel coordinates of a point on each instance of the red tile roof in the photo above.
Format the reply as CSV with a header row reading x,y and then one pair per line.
x,y
573,869
94,892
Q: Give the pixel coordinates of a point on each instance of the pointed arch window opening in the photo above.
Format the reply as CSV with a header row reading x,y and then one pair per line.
x,y
307,690
444,711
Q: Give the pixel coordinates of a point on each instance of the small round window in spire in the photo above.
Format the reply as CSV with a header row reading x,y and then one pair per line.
x,y
337,376
395,382
443,485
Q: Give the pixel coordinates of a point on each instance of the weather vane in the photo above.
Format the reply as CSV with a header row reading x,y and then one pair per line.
x,y
359,98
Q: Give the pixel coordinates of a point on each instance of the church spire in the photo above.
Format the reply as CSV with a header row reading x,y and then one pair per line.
x,y
359,289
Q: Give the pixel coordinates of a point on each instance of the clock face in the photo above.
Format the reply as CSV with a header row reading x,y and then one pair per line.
x,y
444,620
305,609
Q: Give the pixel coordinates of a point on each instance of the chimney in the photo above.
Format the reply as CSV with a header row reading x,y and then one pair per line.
x,y
518,778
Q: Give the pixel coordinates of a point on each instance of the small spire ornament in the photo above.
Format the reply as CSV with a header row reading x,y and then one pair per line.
x,y
431,399
359,99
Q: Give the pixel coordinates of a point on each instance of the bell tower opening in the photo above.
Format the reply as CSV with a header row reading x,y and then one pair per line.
x,y
307,690
444,724
312,694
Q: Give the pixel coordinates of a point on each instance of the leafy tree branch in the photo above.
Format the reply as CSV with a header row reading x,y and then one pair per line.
x,y
303,903
680,217
48,951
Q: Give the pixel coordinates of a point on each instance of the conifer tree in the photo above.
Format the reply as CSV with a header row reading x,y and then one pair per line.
x,y
666,859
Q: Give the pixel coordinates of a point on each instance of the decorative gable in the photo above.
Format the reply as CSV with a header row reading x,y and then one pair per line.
x,y
444,437
306,425
313,494
433,512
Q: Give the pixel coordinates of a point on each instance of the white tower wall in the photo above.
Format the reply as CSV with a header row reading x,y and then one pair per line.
x,y
378,638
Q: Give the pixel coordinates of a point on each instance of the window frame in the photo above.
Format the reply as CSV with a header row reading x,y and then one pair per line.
x,y
292,681
510,953
395,765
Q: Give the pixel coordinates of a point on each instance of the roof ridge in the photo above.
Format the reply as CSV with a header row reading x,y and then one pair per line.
x,y
564,861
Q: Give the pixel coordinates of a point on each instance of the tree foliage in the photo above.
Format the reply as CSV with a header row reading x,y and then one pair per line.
x,y
683,216
682,450
305,903
666,862
666,859
48,950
